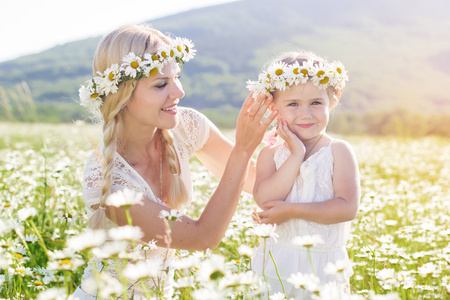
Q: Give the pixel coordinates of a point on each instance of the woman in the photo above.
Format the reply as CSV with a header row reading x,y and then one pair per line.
x,y
148,141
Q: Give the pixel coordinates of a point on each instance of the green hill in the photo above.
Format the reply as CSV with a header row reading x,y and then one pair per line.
x,y
397,52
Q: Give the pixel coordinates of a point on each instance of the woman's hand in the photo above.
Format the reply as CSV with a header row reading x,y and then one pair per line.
x,y
294,144
250,128
275,212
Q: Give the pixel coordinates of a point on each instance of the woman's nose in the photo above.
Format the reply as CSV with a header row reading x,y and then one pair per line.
x,y
177,91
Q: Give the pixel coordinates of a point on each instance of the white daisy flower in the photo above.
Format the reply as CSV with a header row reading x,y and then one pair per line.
x,y
132,64
309,66
126,233
309,282
212,268
185,263
209,293
245,251
184,282
110,249
89,96
53,294
338,267
172,215
321,78
110,80
307,241
189,51
87,240
64,260
278,75
31,238
6,226
150,268
428,269
105,285
277,296
340,72
294,75
153,68
125,198
26,213
148,246
266,231
178,47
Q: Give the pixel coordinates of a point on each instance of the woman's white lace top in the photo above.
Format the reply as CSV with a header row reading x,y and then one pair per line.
x,y
189,135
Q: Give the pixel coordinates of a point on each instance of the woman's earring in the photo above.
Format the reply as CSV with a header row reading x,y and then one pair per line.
x,y
123,107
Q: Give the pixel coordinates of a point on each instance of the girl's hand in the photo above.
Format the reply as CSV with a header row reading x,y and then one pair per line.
x,y
294,144
275,212
250,128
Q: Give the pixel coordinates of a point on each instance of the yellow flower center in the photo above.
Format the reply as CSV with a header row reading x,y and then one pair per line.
x,y
18,255
111,76
279,72
38,283
320,73
94,95
304,72
7,205
187,48
155,57
172,53
339,70
20,271
134,64
164,54
154,71
295,71
237,261
325,80
66,262
179,48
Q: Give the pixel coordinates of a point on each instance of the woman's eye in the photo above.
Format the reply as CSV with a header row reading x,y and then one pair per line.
x,y
161,85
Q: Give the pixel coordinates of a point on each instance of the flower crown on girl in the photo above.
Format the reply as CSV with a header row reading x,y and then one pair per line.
x,y
281,76
134,67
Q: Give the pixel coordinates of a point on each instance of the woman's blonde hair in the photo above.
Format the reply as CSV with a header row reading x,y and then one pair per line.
x,y
113,47
302,56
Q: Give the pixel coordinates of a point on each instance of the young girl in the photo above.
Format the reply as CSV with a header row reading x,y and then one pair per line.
x,y
308,185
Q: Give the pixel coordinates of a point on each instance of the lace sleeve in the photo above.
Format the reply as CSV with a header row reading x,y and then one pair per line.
x,y
92,177
194,130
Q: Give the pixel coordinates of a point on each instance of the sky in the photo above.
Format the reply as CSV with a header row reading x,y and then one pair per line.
x,y
31,26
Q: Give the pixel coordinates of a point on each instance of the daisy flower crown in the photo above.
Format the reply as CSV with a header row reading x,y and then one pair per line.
x,y
134,67
281,76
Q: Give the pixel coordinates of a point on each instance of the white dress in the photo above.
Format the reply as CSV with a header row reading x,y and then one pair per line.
x,y
313,184
189,135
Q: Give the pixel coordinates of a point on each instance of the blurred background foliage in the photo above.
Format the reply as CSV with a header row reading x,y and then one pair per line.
x,y
397,55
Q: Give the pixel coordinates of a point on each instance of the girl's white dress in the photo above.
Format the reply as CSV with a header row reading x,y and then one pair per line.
x,y
189,135
313,184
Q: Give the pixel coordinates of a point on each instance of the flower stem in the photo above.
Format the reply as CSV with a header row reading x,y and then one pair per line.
x,y
311,261
278,274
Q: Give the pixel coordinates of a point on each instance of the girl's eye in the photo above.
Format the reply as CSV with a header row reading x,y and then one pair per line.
x,y
316,103
178,76
292,104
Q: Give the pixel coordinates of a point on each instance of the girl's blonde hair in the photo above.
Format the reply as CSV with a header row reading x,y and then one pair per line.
x,y
302,56
139,39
